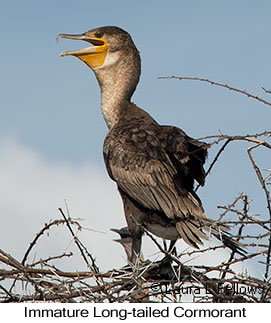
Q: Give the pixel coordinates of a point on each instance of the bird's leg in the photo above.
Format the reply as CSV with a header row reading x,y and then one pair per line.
x,y
133,216
172,248
165,245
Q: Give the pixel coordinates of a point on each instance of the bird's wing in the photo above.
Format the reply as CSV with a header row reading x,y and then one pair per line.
x,y
189,154
143,169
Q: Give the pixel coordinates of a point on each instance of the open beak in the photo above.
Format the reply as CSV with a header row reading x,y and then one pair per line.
x,y
94,55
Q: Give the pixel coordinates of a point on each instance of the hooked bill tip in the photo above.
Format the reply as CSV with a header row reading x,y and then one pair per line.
x,y
58,37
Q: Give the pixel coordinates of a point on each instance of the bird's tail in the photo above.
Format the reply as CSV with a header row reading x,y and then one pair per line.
x,y
193,231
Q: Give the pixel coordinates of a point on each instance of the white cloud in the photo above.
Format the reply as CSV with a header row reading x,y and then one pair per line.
x,y
31,191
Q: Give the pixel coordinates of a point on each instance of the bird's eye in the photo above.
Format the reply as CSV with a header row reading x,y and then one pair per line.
x,y
99,34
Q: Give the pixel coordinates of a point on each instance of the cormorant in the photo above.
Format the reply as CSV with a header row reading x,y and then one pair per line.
x,y
154,165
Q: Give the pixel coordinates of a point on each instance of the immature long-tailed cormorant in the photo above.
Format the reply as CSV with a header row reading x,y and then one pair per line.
x,y
154,166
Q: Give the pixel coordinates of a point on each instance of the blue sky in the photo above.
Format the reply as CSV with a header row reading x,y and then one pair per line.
x,y
50,110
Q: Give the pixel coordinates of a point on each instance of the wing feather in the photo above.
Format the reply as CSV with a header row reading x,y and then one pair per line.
x,y
144,168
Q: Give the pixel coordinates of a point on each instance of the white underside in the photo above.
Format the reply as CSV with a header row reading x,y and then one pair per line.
x,y
168,233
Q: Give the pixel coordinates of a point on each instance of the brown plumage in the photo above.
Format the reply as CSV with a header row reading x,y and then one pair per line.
x,y
154,166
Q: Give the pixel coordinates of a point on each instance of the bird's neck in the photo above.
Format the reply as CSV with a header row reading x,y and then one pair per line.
x,y
111,107
118,81
113,97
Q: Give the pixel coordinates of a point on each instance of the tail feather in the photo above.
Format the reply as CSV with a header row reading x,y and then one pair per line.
x,y
191,230
185,236
194,225
234,245
221,232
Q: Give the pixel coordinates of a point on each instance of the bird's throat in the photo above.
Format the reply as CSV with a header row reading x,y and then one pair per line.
x,y
118,79
114,97
111,108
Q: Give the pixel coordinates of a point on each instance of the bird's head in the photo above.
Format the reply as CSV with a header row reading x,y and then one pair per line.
x,y
108,45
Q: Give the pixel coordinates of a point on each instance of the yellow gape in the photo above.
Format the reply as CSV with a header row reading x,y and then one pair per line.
x,y
93,56
95,59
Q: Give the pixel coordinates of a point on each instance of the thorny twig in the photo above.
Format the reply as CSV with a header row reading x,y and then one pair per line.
x,y
217,84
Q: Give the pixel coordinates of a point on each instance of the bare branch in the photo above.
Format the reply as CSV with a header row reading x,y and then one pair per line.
x,y
266,91
218,84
